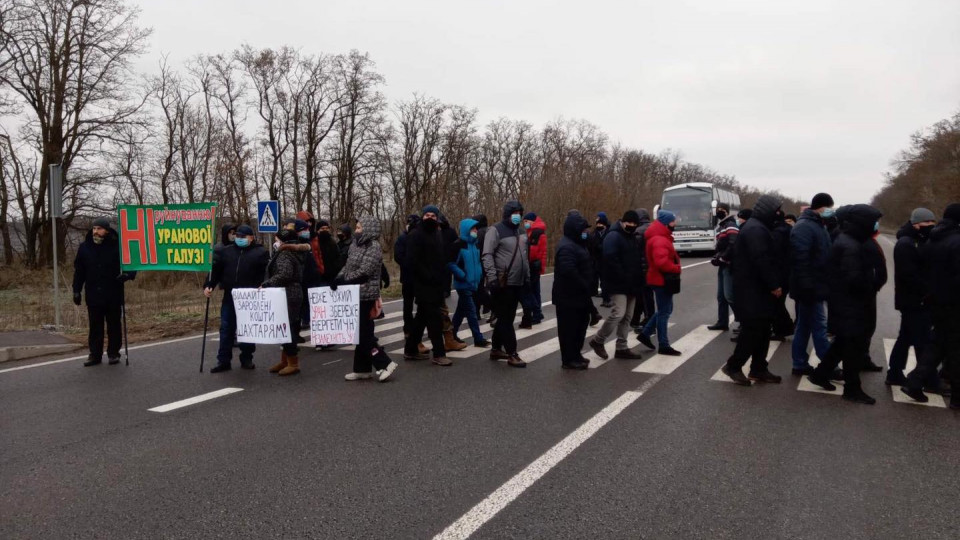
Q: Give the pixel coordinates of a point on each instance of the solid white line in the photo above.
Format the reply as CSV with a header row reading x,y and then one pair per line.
x,y
197,399
694,264
72,358
513,488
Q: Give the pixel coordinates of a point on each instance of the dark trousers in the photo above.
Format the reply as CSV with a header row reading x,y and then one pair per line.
x,y
482,298
407,308
467,309
97,314
429,317
916,330
292,348
505,308
532,312
945,348
852,350
782,322
228,333
645,306
723,307
572,323
754,342
367,355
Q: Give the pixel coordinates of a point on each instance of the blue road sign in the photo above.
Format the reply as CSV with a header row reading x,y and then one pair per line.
x,y
268,216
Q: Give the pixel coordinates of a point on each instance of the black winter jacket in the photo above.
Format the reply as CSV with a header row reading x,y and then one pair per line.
x,y
426,259
573,266
621,260
755,274
809,251
941,257
853,275
235,267
330,253
781,248
97,269
400,257
642,227
909,282
285,269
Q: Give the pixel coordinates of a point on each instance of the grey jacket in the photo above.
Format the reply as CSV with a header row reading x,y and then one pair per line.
x,y
498,252
364,259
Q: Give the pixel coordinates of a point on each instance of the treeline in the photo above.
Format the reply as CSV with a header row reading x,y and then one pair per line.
x,y
314,131
925,175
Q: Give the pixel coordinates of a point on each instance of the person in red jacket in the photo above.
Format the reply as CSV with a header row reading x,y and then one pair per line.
x,y
536,231
663,265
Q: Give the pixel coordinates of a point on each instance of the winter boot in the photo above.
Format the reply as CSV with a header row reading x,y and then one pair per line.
x,y
293,366
281,365
422,349
451,344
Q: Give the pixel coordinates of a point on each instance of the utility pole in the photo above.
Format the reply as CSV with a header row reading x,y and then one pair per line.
x,y
56,211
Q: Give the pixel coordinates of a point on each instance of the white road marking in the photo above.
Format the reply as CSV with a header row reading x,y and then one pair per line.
x,y
688,345
483,512
611,347
719,376
694,264
936,400
73,358
194,400
332,362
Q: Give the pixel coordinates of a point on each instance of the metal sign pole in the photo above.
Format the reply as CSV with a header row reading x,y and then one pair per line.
x,y
55,210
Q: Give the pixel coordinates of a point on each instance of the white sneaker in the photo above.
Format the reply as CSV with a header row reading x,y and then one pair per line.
x,y
358,376
386,372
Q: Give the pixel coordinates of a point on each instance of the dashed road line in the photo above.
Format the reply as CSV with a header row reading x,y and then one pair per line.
x,y
194,400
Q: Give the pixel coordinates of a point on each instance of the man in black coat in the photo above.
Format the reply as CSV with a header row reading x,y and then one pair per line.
x,y
426,257
450,251
941,258
645,307
910,292
782,322
97,269
600,230
406,273
757,289
622,281
241,264
854,281
572,291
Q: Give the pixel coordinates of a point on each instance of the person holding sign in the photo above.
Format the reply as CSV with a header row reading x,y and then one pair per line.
x,y
239,264
97,268
285,269
363,267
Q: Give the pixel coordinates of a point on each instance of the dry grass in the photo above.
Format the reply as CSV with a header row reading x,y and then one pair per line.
x,y
159,304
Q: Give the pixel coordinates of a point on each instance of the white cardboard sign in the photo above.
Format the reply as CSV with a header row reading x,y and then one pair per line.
x,y
335,315
262,315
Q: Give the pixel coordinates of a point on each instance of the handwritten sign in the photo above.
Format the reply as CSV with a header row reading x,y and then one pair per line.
x,y
335,315
262,315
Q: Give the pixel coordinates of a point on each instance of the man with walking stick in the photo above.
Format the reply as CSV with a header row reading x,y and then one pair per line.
x,y
97,269
241,264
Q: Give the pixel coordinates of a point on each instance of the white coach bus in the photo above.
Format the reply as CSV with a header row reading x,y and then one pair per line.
x,y
695,205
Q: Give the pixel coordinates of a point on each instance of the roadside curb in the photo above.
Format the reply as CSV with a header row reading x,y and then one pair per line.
x,y
23,352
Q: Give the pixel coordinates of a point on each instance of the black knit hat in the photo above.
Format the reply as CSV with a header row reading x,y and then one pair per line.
x,y
952,212
101,222
745,213
631,216
821,200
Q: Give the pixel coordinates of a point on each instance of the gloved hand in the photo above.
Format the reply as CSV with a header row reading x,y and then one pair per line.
x,y
76,298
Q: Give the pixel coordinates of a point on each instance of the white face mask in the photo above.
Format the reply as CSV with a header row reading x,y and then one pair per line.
x,y
277,244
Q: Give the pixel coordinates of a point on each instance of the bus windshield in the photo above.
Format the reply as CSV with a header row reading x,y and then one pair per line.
x,y
692,206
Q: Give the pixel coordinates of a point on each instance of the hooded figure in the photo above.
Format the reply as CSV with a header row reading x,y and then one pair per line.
x,y
467,275
426,258
363,267
572,290
506,271
854,280
97,271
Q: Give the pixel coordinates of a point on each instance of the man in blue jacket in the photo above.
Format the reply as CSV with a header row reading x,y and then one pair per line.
x,y
810,250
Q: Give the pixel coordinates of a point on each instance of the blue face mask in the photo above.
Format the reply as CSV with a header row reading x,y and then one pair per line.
x,y
473,234
515,219
527,226
876,226
305,235
584,235
242,242
828,213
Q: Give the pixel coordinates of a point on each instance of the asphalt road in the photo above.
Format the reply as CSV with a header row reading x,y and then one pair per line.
x,y
630,449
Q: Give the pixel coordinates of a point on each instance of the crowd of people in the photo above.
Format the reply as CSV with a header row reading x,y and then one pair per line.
x,y
828,261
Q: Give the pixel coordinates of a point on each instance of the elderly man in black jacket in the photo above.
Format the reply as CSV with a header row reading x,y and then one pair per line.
x,y
241,264
854,281
573,291
97,268
757,288
941,258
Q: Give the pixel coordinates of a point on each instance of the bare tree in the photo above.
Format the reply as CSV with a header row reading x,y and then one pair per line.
x,y
69,62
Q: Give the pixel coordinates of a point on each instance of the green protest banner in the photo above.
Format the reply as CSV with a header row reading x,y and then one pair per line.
x,y
167,237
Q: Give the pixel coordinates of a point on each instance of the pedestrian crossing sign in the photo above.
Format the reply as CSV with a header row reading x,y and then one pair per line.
x,y
267,212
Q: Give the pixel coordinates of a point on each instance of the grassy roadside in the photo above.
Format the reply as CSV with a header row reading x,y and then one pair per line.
x,y
159,304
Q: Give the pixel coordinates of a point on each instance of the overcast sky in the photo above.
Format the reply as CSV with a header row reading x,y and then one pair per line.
x,y
801,96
